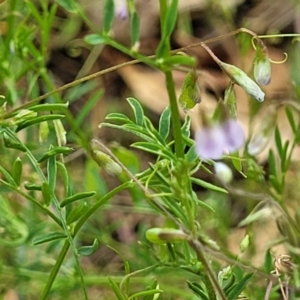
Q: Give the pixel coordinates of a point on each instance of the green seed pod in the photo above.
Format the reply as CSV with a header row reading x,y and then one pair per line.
x,y
190,92
60,132
43,132
163,235
17,171
244,243
262,65
104,161
243,80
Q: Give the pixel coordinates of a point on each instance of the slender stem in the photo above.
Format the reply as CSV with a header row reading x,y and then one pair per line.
x,y
55,270
174,115
268,291
196,245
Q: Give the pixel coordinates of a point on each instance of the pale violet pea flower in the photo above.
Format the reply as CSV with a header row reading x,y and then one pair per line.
x,y
121,9
215,140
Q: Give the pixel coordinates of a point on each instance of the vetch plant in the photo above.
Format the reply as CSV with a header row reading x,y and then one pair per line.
x,y
49,214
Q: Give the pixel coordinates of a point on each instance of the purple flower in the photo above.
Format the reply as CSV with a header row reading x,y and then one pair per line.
x,y
121,9
213,141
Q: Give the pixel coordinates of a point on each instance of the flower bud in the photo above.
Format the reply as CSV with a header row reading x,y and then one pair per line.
x,y
262,65
242,79
104,161
43,132
244,243
223,172
60,132
121,9
163,235
23,115
190,92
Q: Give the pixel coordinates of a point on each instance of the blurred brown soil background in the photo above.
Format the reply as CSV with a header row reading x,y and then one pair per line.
x,y
198,20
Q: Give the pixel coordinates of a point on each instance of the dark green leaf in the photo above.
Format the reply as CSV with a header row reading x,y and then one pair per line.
x,y
38,120
116,290
46,192
152,131
228,284
77,212
137,110
132,128
49,106
239,288
48,238
155,149
32,186
10,143
268,264
191,155
198,290
134,28
88,250
77,197
186,127
55,151
7,176
164,123
278,142
284,160
108,16
170,19
95,39
275,183
290,118
236,161
272,163
208,185
145,293
167,29
176,60
118,117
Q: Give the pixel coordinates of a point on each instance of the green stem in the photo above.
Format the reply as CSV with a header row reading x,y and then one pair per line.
x,y
213,281
55,270
176,123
